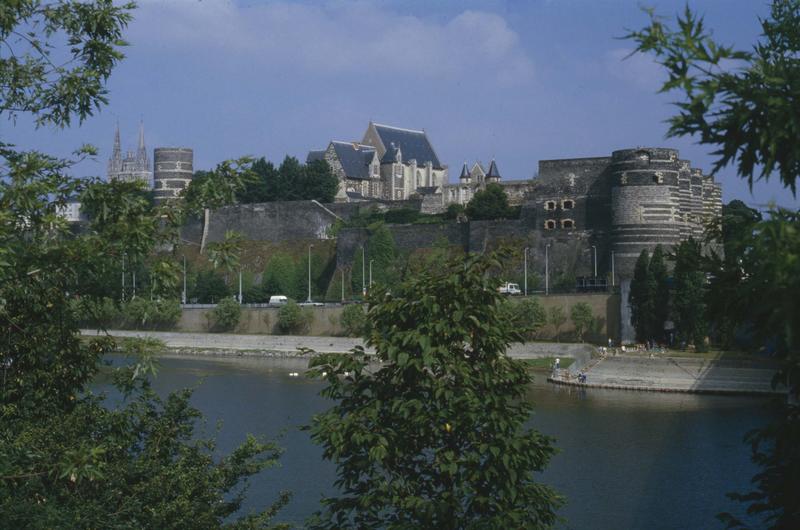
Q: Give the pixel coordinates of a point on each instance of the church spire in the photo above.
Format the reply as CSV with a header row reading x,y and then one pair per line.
x,y
141,154
117,152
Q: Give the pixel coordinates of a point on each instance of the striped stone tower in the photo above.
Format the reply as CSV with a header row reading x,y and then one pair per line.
x,y
645,203
173,171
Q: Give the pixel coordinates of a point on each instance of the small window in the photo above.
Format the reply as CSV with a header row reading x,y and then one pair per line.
x,y
550,205
567,223
658,178
550,224
568,204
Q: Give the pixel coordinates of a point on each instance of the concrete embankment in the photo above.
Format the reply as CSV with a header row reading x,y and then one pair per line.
x,y
289,345
675,374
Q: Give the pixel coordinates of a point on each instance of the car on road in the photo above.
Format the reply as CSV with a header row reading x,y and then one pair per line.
x,y
509,288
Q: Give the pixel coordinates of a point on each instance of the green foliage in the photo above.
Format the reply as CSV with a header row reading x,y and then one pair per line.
x,y
640,297
659,286
556,317
527,316
689,300
217,188
743,103
582,318
226,315
141,313
334,290
489,203
68,457
435,436
292,181
358,274
280,276
294,319
354,320
101,313
453,211
381,250
401,216
209,288
226,253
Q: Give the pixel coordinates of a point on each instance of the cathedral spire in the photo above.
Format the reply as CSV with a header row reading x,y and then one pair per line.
x,y
117,152
141,153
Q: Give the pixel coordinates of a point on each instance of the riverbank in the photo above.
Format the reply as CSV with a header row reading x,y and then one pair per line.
x,y
620,372
674,374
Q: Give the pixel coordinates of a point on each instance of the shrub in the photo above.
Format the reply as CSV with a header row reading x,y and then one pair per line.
x,y
102,313
293,319
354,320
453,211
582,319
226,315
141,313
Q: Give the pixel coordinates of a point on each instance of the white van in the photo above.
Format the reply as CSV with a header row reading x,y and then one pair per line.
x,y
278,300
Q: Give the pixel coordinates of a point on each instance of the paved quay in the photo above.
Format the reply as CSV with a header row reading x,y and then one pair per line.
x,y
674,374
256,345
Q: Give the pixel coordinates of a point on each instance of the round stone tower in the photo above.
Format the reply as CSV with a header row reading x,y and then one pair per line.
x,y
173,168
644,203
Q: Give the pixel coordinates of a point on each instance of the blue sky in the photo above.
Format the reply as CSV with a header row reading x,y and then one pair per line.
x,y
517,81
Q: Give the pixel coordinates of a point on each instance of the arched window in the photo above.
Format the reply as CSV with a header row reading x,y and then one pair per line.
x,y
550,205
550,224
567,204
567,223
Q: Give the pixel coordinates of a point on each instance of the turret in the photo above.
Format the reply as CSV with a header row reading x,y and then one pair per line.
x,y
644,202
465,176
493,175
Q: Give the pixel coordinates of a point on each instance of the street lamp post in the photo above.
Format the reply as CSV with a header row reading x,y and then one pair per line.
x,y
594,250
363,272
370,273
309,272
183,295
342,284
547,269
123,276
240,286
526,270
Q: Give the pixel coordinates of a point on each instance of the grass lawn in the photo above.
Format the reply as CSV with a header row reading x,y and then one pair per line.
x,y
545,364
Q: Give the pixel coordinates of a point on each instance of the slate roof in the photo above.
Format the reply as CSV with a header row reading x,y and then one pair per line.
x,y
355,158
354,195
493,171
464,172
413,144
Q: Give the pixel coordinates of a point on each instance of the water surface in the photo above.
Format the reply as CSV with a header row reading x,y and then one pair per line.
x,y
627,459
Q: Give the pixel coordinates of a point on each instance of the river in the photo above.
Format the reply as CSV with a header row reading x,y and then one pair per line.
x,y
626,460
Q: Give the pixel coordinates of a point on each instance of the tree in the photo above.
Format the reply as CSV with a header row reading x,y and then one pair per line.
x,y
381,250
317,182
744,104
280,276
293,319
640,297
226,314
689,300
435,436
557,318
659,285
209,287
454,210
226,253
68,457
489,203
527,316
354,320
210,190
582,318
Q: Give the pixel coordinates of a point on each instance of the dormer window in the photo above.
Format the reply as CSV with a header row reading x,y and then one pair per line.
x,y
550,224
550,205
568,204
567,223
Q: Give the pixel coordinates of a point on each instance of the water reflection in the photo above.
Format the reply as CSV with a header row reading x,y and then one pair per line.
x,y
626,460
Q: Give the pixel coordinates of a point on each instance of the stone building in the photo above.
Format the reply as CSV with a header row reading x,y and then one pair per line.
x,y
390,163
134,166
633,200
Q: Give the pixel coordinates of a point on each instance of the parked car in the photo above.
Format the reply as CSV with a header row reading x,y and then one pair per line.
x,y
509,288
278,300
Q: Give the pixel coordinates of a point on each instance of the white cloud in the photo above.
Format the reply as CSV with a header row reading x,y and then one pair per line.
x,y
639,70
337,39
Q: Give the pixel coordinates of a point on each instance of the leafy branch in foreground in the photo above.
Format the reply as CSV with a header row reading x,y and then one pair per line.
x,y
434,436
